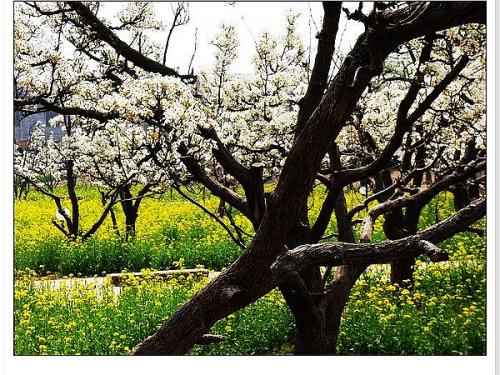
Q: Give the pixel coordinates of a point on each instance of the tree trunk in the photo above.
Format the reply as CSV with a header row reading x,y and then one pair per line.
x,y
74,229
402,272
345,278
460,196
130,221
339,295
312,338
130,210
401,269
250,277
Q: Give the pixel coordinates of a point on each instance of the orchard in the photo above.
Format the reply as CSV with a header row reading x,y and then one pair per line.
x,y
336,194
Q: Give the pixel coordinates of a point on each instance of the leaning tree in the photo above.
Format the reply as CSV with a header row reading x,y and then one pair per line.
x,y
286,252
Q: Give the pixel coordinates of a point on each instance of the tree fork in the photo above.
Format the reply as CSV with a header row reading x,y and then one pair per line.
x,y
252,270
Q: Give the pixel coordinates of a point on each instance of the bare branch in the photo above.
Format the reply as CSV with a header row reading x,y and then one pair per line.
x,y
420,198
219,221
214,186
181,17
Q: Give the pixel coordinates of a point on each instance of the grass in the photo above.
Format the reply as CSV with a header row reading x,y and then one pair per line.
x,y
168,228
81,319
444,314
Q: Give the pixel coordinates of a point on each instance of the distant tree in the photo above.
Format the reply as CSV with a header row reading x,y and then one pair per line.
x,y
45,164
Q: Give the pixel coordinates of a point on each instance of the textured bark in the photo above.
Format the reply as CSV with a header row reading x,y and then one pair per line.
x,y
309,311
283,220
340,290
345,278
463,194
341,253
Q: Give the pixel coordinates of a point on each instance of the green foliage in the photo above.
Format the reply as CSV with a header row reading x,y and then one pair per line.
x,y
168,228
444,314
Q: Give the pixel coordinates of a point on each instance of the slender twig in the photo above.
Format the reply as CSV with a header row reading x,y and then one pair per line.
x,y
231,235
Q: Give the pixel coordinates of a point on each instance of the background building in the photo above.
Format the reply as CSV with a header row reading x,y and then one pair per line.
x,y
23,126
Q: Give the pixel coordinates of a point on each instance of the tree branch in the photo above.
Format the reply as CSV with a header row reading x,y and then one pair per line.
x,y
322,62
403,124
67,111
102,32
221,223
341,253
215,187
420,198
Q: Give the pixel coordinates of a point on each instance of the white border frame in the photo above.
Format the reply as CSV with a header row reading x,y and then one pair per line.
x,y
249,365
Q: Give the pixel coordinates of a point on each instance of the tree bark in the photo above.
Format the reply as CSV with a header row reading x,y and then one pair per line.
x,y
130,210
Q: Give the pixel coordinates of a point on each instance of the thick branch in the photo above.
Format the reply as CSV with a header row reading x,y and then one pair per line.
x,y
249,178
341,253
225,157
322,62
68,111
103,33
215,187
420,198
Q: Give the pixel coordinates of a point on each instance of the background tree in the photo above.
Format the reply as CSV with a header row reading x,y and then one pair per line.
x,y
47,163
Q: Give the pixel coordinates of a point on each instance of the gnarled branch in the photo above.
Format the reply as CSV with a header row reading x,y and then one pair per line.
x,y
342,253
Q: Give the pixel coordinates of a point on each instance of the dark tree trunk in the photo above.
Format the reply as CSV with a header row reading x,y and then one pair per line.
x,y
250,277
74,229
462,193
21,188
395,227
461,197
114,222
130,207
314,334
345,278
402,272
309,311
340,290
130,220
405,224
312,338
